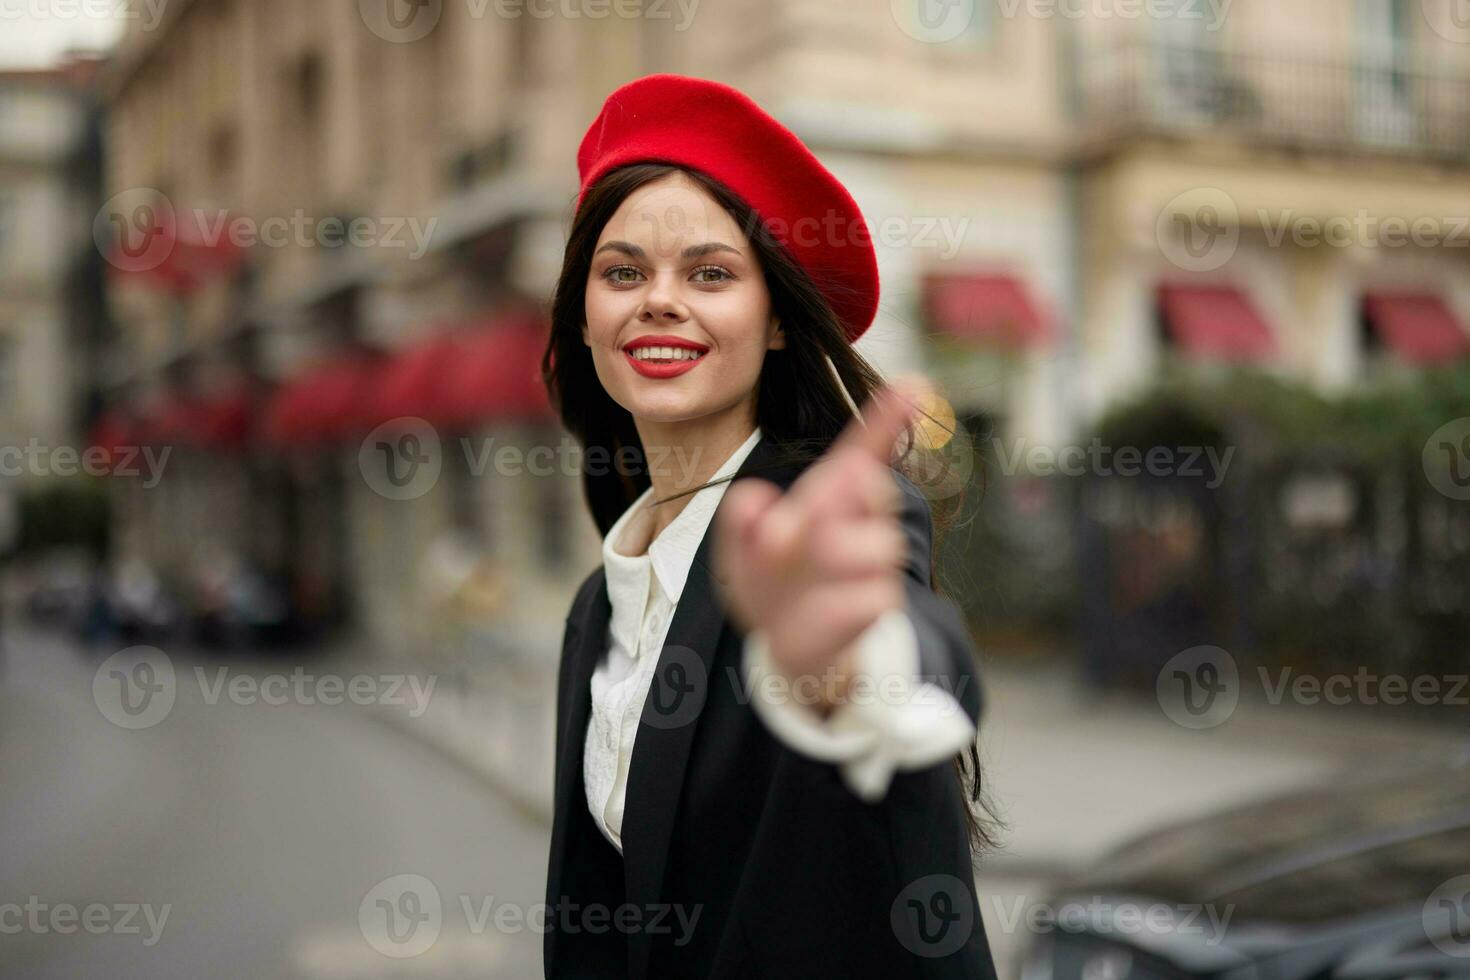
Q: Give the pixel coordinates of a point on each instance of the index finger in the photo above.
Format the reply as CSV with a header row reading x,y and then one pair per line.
x,y
886,416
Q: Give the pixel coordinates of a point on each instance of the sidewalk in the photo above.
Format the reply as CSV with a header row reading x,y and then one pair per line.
x,y
1075,773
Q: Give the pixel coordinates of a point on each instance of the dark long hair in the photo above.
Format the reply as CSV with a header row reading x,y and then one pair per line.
x,y
799,406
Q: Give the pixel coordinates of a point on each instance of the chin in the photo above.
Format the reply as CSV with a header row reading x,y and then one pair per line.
x,y
667,408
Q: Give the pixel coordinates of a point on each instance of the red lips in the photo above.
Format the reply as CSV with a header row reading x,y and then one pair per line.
x,y
663,340
663,369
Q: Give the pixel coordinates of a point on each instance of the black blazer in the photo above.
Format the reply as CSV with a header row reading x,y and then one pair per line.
x,y
743,858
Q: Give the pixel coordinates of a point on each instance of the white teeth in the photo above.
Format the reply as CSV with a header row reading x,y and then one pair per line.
x,y
667,354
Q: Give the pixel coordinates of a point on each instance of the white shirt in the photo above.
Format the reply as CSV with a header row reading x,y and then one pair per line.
x,y
897,722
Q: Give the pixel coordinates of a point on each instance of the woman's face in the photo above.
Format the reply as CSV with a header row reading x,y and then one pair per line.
x,y
678,315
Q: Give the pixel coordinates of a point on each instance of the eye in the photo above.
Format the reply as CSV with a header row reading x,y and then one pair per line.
x,y
710,274
621,274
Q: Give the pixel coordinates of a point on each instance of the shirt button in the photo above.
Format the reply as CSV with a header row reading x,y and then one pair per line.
x,y
653,625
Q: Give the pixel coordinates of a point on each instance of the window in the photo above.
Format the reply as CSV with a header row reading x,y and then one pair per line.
x,y
305,123
1383,89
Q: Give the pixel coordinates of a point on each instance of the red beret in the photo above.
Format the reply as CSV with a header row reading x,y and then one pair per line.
x,y
718,130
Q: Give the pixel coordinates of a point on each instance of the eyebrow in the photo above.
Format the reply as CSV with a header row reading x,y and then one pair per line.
x,y
692,252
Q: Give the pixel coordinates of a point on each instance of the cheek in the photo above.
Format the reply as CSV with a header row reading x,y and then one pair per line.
x,y
605,315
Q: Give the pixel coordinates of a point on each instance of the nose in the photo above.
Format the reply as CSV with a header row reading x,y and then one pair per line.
x,y
662,304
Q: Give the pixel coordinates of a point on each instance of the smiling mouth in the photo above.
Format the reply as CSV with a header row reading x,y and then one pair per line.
x,y
665,355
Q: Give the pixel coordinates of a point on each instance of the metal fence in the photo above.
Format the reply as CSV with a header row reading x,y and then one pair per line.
x,y
1397,103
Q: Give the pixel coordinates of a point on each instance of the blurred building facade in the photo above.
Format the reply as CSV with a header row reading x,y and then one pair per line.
x,y
1065,206
51,303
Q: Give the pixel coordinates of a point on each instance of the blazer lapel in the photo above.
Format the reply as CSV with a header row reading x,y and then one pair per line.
x,y
670,717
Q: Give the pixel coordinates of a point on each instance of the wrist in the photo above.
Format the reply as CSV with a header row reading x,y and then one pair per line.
x,y
832,683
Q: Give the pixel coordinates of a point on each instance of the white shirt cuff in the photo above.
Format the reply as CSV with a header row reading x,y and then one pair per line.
x,y
892,719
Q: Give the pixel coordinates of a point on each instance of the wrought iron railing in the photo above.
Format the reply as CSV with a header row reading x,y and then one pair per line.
x,y
1399,103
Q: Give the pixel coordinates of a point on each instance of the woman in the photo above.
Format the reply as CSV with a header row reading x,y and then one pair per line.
x,y
763,707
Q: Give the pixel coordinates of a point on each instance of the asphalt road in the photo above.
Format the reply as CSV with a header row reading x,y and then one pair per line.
x,y
242,838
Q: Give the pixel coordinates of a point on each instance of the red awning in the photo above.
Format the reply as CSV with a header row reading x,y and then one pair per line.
x,y
322,404
218,421
170,420
1419,327
986,309
497,375
177,255
1215,321
411,383
225,419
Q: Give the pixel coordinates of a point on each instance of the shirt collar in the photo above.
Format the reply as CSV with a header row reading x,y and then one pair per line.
x,y
669,555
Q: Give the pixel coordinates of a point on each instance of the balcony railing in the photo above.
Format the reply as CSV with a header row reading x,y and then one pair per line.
x,y
1400,104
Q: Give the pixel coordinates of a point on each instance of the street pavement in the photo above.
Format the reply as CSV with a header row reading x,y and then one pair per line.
x,y
258,836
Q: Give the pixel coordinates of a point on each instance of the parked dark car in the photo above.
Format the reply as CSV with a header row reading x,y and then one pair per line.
x,y
1368,879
